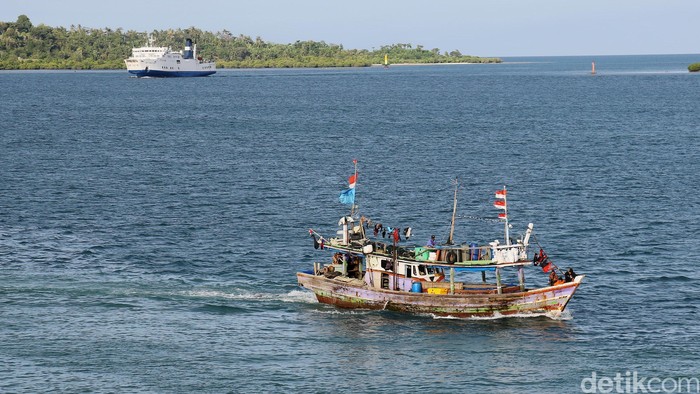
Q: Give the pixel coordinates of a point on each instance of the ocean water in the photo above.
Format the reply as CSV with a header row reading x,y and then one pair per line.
x,y
150,229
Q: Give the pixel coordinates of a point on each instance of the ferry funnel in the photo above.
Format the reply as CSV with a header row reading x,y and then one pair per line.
x,y
187,53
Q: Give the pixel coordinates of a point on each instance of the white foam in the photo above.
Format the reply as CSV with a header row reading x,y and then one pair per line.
x,y
566,315
299,296
337,311
292,296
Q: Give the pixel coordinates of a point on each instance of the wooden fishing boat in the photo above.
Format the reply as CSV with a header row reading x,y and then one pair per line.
x,y
367,272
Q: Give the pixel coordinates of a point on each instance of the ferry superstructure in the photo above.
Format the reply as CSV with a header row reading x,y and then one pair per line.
x,y
153,61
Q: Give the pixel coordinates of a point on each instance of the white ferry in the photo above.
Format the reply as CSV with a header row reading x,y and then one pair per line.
x,y
152,61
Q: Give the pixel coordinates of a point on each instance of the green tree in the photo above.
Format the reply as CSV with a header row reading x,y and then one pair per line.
x,y
24,46
23,24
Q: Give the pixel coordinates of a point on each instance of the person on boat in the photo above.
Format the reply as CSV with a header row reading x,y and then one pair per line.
x,y
431,242
553,278
354,267
569,275
338,258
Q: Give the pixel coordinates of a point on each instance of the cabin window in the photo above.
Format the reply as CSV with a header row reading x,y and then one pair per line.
x,y
178,61
387,265
421,269
408,271
385,281
430,270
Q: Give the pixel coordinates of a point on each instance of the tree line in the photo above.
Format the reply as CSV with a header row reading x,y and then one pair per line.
x,y
25,46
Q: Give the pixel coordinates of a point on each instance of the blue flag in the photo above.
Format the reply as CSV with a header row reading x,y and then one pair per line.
x,y
348,196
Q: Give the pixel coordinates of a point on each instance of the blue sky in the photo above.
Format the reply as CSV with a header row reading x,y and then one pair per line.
x,y
475,27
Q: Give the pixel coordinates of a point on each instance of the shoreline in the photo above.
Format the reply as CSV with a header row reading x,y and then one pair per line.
x,y
432,64
258,68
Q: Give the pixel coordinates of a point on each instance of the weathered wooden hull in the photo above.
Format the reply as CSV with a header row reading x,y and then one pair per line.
x,y
535,302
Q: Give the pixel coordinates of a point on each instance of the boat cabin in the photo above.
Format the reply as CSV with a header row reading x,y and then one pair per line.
x,y
381,273
383,265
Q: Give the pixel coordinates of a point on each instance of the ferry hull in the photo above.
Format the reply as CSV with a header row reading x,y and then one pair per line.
x,y
170,74
535,302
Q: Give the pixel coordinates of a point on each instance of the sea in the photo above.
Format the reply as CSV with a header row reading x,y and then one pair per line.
x,y
151,229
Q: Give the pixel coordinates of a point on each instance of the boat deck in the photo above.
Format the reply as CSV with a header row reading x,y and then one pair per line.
x,y
351,281
459,287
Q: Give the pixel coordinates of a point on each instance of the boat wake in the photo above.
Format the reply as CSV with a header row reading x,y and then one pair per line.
x,y
300,296
292,296
563,316
566,315
335,311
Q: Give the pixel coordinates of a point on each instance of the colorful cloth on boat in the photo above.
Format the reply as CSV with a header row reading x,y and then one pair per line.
x,y
348,196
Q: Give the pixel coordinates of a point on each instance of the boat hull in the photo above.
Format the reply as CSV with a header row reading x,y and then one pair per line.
x,y
353,295
167,64
170,74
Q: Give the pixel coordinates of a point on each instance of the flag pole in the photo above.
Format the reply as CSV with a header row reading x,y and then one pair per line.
x,y
505,202
352,206
454,213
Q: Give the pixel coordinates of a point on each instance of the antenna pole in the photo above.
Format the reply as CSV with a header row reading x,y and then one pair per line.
x,y
505,201
352,206
454,213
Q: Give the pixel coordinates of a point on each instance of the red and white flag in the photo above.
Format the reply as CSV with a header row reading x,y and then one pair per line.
x,y
501,193
502,216
352,180
499,204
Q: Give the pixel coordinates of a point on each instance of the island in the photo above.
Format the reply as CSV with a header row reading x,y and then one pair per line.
x,y
24,46
695,67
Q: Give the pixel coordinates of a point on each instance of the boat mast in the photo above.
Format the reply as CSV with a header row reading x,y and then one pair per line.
x,y
505,201
454,214
395,263
352,206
